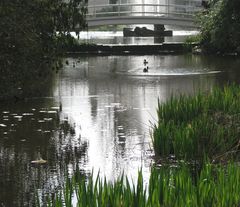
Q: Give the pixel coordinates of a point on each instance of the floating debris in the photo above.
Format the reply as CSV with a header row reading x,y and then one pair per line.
x,y
27,114
39,162
121,110
18,117
48,119
52,112
55,107
145,109
108,106
116,104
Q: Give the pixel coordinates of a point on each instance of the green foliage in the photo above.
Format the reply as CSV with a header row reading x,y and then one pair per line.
x,y
30,33
220,26
191,42
215,186
205,124
193,39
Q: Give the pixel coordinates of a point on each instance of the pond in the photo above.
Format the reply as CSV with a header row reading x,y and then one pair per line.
x,y
98,116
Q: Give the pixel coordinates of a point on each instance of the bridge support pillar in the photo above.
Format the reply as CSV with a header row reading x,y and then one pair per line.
x,y
159,28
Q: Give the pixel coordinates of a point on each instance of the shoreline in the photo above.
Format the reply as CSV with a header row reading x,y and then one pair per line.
x,y
122,49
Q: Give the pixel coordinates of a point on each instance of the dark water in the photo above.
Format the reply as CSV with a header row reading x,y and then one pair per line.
x,y
97,116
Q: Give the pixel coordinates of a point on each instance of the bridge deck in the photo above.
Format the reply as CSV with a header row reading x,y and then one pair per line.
x,y
168,14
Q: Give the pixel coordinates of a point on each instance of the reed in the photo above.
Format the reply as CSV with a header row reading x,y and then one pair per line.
x,y
204,124
202,128
216,185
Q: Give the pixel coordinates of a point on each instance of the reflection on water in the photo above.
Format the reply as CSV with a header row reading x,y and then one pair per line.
x,y
30,131
100,37
99,117
112,102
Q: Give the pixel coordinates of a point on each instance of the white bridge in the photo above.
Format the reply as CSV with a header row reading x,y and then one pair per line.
x,y
166,12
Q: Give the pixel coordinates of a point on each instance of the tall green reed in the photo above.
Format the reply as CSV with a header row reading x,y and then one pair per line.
x,y
191,127
216,186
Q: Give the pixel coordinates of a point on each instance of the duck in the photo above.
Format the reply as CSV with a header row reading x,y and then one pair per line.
x,y
145,70
145,62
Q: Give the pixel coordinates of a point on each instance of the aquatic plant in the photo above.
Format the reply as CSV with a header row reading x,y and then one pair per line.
x,y
216,185
192,127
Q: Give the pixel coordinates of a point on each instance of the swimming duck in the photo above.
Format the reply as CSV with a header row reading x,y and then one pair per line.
x,y
145,70
145,62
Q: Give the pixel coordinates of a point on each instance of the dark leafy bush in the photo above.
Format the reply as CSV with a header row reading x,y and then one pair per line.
x,y
220,26
30,32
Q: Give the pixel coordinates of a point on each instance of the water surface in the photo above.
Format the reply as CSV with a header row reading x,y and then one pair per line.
x,y
106,37
97,116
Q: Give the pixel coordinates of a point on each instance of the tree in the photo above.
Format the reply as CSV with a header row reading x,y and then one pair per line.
x,y
31,34
220,26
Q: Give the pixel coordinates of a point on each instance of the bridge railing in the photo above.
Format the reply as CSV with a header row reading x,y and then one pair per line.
x,y
136,9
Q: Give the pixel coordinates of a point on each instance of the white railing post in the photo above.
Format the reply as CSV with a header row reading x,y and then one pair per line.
x,y
168,9
94,11
119,3
131,8
144,8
